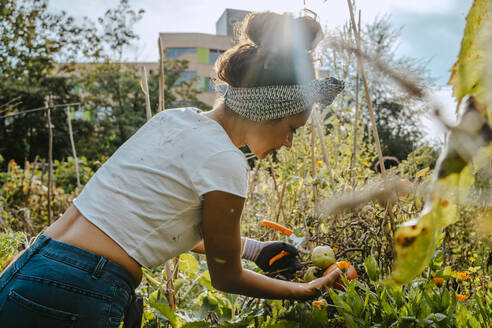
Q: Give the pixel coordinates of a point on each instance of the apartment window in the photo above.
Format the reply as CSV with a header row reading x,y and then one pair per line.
x,y
178,52
185,77
202,83
206,84
214,54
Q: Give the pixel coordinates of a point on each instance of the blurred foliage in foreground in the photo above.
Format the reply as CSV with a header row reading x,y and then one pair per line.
x,y
464,173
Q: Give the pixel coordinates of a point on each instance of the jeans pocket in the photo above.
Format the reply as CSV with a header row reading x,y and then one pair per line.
x,y
118,305
19,311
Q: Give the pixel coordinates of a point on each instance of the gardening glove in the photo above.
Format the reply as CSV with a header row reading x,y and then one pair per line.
x,y
265,255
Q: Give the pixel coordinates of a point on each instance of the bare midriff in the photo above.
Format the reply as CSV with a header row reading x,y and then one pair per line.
x,y
74,229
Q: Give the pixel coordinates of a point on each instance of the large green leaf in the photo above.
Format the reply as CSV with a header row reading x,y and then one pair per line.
x,y
465,318
468,152
159,302
188,265
468,73
372,269
416,240
206,281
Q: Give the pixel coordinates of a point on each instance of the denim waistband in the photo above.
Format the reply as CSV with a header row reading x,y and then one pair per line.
x,y
80,258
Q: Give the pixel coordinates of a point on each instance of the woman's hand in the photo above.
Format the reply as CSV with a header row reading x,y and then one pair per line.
x,y
329,281
268,262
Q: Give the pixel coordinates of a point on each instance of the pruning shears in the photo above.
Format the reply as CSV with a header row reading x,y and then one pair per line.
x,y
293,239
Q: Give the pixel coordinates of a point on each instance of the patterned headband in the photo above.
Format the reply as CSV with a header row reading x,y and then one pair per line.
x,y
277,101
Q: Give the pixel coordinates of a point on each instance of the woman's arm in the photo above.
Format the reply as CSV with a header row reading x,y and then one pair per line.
x,y
200,247
223,244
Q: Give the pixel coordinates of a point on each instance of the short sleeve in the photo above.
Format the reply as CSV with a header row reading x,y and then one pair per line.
x,y
225,171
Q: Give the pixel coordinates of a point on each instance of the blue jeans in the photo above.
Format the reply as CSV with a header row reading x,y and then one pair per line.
x,y
54,284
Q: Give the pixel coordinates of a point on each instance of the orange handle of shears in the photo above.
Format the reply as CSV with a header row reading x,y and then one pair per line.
x,y
278,257
276,226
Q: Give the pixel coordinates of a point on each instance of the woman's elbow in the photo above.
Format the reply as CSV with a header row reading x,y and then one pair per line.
x,y
220,285
226,283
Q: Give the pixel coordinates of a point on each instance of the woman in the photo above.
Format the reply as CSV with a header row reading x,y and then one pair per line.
x,y
178,184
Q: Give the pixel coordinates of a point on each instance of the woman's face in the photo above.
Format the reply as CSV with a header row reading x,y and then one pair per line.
x,y
267,137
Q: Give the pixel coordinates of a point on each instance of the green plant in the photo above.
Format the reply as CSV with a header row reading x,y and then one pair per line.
x,y
10,243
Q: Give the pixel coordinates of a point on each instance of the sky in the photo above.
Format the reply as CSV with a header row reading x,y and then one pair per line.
x,y
431,30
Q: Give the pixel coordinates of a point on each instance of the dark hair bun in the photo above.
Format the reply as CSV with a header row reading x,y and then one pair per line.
x,y
276,32
271,49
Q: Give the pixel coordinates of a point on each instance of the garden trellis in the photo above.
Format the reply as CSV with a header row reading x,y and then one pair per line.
x,y
10,104
47,109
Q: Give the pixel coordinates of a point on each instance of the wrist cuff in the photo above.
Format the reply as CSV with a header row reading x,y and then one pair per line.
x,y
252,249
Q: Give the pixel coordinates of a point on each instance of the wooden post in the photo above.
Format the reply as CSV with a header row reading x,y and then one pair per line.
x,y
321,135
162,77
170,285
371,111
145,89
356,124
366,90
313,162
50,157
74,152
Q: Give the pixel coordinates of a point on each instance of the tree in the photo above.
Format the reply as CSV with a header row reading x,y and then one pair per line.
x,y
397,113
31,39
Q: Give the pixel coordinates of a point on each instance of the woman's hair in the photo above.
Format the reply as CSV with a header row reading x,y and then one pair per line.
x,y
272,49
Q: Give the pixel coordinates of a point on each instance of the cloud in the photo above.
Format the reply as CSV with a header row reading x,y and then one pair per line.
x,y
423,6
434,35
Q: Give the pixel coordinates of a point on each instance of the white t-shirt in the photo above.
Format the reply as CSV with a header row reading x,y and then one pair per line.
x,y
148,196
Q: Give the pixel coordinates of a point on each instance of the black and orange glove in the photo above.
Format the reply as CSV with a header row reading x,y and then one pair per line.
x,y
272,256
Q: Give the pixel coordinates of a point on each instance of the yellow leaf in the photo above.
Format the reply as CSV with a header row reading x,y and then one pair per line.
x,y
188,265
422,173
415,243
468,73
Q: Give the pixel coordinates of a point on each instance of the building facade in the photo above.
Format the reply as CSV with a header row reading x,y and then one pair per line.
x,y
201,51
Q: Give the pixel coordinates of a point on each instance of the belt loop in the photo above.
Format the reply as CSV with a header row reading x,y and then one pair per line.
x,y
98,269
39,243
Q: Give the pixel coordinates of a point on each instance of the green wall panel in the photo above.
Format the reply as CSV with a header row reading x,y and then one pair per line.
x,y
203,55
